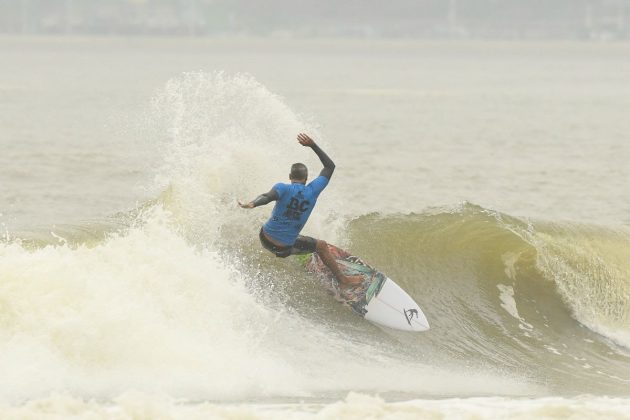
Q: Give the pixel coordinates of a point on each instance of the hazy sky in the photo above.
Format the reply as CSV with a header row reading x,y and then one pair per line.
x,y
362,18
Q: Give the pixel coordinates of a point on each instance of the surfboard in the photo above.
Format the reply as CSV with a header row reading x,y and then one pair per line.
x,y
378,298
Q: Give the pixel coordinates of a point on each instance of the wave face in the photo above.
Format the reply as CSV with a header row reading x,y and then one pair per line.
x,y
177,297
547,298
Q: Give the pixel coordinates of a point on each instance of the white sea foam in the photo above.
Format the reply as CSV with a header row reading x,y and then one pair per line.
x,y
134,405
506,295
142,310
507,300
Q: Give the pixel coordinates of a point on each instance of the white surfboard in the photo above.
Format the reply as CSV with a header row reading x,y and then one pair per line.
x,y
378,298
394,308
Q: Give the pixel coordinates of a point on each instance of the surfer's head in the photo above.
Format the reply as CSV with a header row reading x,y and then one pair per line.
x,y
299,173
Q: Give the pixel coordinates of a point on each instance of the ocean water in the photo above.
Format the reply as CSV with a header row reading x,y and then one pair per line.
x,y
490,180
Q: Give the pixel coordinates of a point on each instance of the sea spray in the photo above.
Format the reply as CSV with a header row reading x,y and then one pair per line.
x,y
227,138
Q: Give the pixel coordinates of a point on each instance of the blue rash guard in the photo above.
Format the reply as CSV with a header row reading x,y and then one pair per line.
x,y
294,205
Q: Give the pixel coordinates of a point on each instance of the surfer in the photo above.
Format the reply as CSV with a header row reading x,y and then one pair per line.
x,y
294,203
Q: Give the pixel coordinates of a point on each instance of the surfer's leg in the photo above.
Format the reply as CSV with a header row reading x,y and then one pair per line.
x,y
328,259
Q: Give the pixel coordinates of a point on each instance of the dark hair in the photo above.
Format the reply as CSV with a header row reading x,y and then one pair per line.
x,y
299,171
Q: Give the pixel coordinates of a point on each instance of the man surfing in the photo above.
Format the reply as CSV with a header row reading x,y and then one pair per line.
x,y
294,204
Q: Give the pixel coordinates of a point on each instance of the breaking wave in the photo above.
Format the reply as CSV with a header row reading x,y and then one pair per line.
x,y
177,296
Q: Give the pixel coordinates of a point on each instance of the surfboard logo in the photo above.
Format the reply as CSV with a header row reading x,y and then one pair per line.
x,y
409,314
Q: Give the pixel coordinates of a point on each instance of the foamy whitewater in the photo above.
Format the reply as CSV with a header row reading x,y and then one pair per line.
x,y
169,308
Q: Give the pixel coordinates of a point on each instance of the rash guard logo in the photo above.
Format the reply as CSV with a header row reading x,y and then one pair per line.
x,y
296,208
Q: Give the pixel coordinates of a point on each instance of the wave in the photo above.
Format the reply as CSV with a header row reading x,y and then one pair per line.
x,y
178,296
91,312
550,295
585,270
147,309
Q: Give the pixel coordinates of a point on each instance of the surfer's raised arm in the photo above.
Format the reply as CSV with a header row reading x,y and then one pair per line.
x,y
261,200
329,165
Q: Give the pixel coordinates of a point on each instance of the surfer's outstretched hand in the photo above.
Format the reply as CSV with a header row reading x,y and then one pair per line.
x,y
305,140
245,205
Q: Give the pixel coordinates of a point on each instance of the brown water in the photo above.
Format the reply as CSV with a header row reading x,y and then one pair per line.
x,y
488,179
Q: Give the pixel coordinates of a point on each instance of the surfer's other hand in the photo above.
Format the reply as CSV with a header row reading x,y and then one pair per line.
x,y
305,140
245,205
